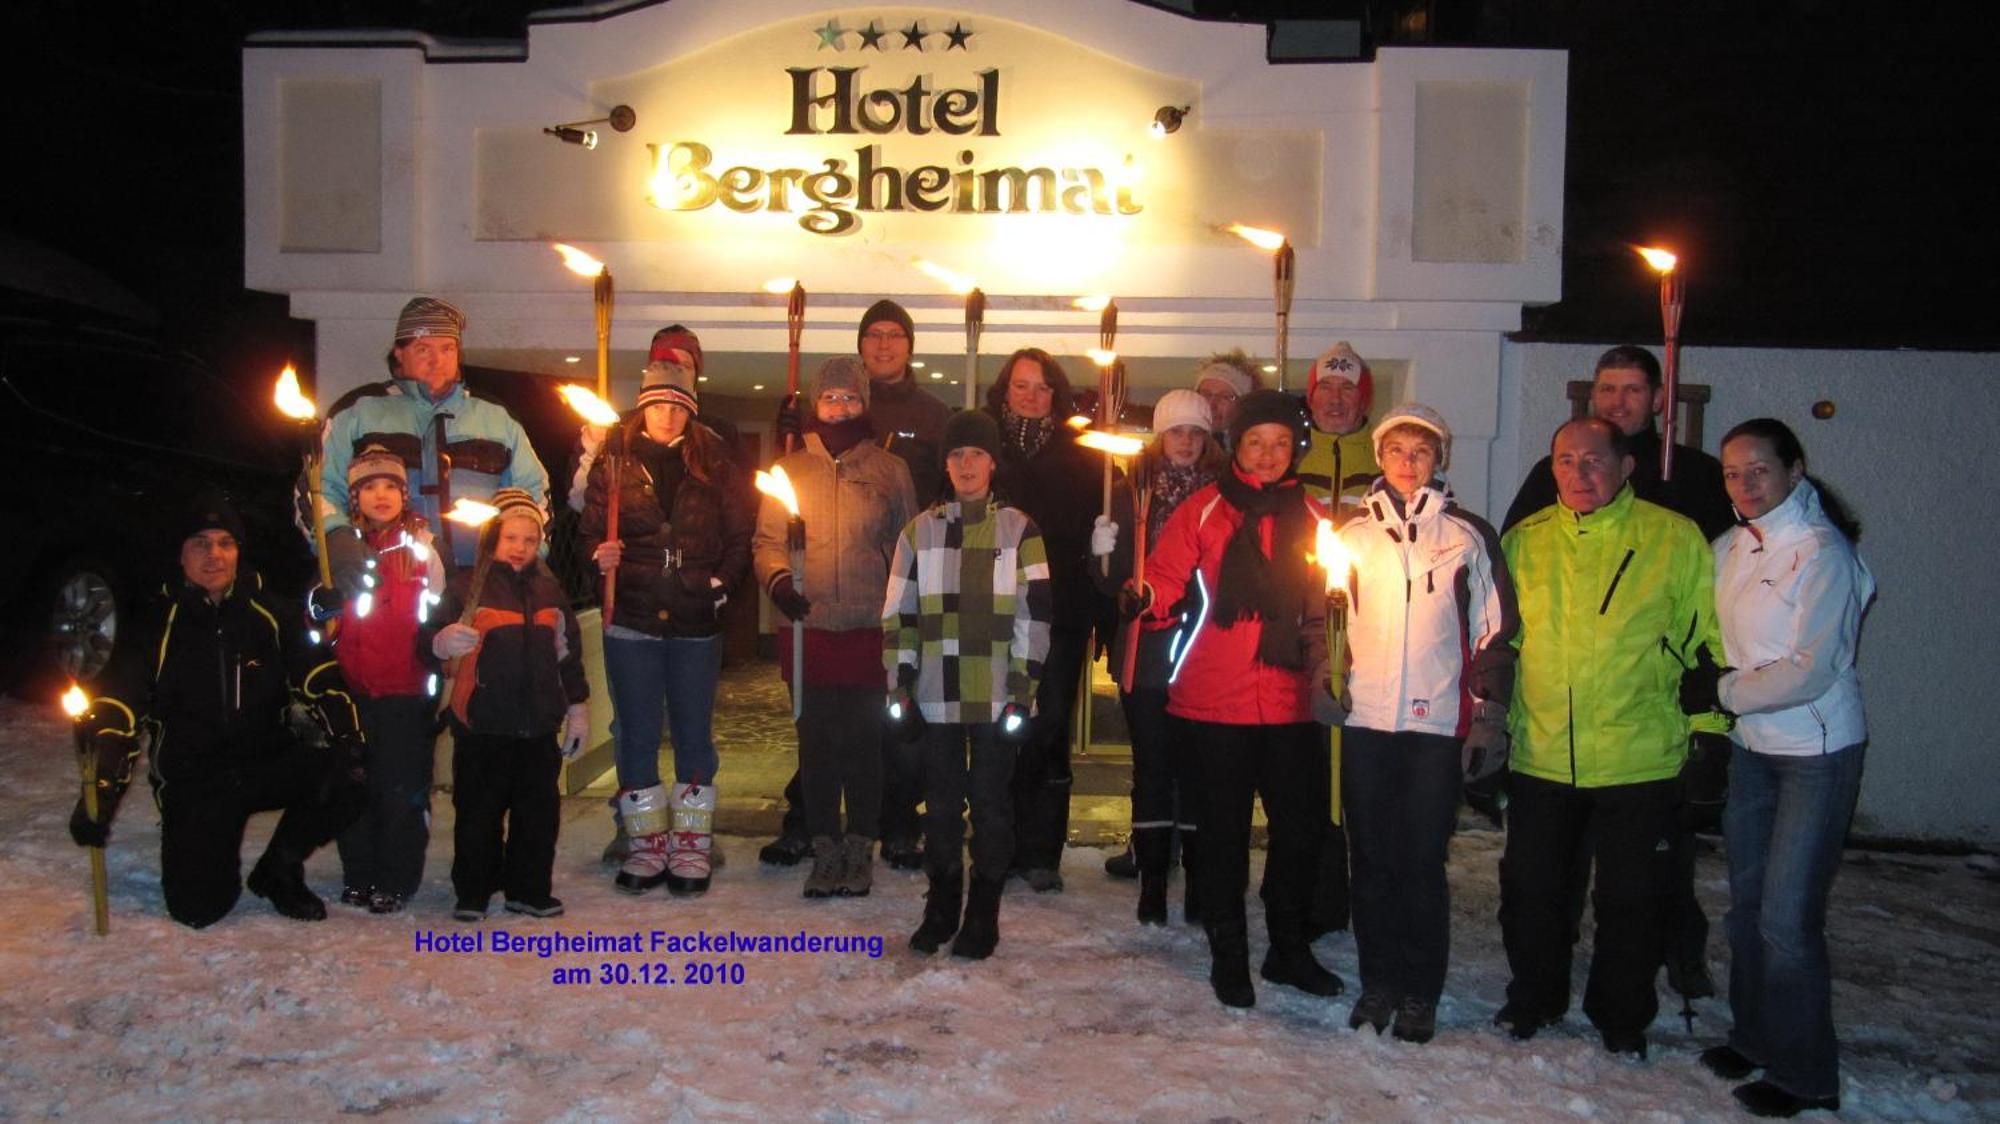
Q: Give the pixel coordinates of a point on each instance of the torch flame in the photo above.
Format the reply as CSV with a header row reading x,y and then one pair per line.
x,y
1115,444
1260,238
75,702
1661,260
588,406
470,512
957,282
1092,303
1331,556
778,486
779,286
1101,357
1078,422
578,262
291,401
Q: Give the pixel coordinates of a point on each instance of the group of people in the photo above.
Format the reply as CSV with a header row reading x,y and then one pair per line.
x,y
950,575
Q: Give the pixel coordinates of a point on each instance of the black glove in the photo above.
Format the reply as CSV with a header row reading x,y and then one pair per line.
x,y
332,708
350,561
1133,600
1705,781
906,715
1485,748
1488,796
787,423
1013,726
788,599
324,603
1700,685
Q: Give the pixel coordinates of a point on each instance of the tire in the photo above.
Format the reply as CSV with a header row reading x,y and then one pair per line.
x,y
72,626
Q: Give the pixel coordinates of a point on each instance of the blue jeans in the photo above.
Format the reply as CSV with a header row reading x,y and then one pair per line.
x,y
1783,826
678,674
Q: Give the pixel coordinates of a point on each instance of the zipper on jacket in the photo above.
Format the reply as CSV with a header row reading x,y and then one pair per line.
x,y
1572,735
1615,579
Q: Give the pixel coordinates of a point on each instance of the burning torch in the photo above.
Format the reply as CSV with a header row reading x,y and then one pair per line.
x,y
1333,559
293,403
1283,269
778,486
583,265
75,704
1672,298
596,411
471,514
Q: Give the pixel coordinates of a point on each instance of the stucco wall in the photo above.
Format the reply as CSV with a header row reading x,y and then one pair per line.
x,y
1906,449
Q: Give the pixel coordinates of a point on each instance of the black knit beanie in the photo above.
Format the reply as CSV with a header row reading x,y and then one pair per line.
x,y
1268,407
970,429
886,309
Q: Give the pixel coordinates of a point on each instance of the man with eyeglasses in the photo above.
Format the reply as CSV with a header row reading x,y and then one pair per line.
x,y
1221,380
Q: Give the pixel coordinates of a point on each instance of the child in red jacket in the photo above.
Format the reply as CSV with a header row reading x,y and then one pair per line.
x,y
382,854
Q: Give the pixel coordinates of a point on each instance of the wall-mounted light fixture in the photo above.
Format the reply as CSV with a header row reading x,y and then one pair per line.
x,y
621,119
1168,119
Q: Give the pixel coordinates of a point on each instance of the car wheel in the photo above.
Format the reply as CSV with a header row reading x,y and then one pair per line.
x,y
82,622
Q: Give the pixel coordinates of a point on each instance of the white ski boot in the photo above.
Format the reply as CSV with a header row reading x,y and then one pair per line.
x,y
647,820
688,846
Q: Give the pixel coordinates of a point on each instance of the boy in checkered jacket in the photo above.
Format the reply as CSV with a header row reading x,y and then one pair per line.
x,y
965,628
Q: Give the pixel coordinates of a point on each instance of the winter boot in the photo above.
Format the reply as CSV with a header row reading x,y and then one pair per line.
x,y
644,818
829,868
547,905
903,854
785,850
1373,1009
1151,846
980,932
940,910
283,884
1229,960
1416,1020
1290,962
1765,1099
1124,864
1726,1062
1190,887
688,844
356,896
858,875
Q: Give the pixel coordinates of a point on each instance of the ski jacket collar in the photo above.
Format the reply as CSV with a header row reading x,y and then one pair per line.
x,y
1607,518
1797,515
416,391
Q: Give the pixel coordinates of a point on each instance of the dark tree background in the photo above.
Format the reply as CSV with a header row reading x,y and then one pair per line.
x,y
1820,167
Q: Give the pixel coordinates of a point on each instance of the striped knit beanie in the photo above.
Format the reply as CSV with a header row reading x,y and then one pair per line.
x,y
517,501
669,383
426,317
375,462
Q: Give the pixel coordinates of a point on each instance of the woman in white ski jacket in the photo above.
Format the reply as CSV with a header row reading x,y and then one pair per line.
x,y
1790,592
1430,619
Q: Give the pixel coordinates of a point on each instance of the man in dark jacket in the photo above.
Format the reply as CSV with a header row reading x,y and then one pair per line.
x,y
1627,390
210,670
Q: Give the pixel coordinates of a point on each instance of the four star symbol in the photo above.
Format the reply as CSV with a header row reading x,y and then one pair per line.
x,y
830,34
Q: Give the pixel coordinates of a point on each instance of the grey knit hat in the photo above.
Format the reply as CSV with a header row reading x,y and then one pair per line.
x,y
842,372
970,429
429,317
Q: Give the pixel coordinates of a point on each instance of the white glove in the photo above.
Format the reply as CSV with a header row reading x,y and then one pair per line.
x,y
562,642
593,440
1103,536
454,640
575,729
715,591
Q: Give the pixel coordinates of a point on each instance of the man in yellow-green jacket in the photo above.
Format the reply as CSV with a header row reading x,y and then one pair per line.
x,y
1616,594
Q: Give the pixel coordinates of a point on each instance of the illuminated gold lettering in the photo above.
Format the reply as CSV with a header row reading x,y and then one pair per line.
x,y
679,180
868,175
927,185
885,98
804,101
963,184
1016,181
953,111
781,178
828,189
738,189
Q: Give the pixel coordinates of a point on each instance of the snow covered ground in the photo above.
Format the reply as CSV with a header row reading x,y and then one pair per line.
x,y
1082,1014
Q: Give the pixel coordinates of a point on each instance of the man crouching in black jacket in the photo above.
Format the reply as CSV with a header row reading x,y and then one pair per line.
x,y
210,668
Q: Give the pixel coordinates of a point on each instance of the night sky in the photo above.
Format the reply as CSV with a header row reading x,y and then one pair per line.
x,y
1816,169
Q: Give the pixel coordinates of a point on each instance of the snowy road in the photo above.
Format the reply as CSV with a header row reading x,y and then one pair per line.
x,y
1082,1014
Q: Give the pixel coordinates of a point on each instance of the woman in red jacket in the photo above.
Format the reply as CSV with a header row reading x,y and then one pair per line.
x,y
1234,563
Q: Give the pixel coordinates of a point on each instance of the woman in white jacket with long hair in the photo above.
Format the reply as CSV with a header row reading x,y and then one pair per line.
x,y
1790,592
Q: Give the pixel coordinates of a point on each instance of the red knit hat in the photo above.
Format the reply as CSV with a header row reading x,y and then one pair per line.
x,y
675,344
